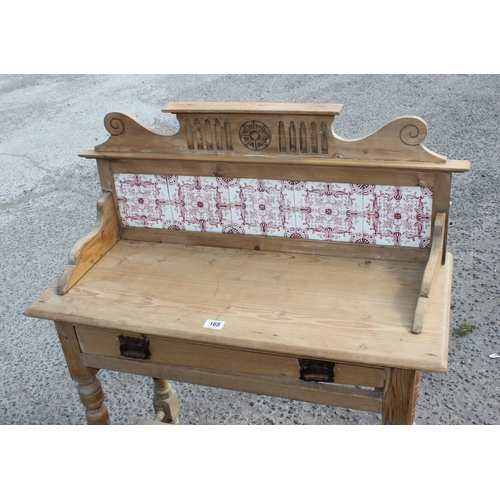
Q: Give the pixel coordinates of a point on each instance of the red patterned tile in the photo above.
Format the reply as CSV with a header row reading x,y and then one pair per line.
x,y
328,211
199,203
143,200
358,213
296,233
263,207
399,216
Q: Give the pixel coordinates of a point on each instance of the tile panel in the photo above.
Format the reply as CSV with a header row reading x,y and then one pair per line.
x,y
357,213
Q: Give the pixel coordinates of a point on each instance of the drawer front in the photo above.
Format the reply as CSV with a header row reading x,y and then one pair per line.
x,y
157,350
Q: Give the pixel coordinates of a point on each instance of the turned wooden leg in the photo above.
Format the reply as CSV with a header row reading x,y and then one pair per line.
x,y
89,387
93,399
400,396
166,400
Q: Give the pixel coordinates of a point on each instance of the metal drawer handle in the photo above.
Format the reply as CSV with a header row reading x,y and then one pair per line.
x,y
313,370
134,347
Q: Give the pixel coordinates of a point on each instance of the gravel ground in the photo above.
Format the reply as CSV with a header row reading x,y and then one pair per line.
x,y
47,201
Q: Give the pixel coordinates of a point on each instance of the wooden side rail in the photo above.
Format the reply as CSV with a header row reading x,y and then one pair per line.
x,y
431,271
89,249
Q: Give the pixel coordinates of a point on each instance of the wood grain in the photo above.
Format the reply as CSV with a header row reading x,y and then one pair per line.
x,y
165,401
407,165
420,311
276,130
105,343
89,249
400,396
277,244
255,170
313,392
431,270
441,202
105,174
92,397
432,267
299,305
253,107
89,387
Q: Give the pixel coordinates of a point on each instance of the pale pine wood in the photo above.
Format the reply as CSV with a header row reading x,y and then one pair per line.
x,y
104,169
435,257
420,311
399,139
313,392
105,343
439,305
400,396
431,271
450,166
276,244
289,304
89,249
89,387
253,107
201,130
160,415
441,202
92,398
158,420
359,375
72,353
264,170
165,401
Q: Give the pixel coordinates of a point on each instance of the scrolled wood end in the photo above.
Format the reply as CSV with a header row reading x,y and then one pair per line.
x,y
114,123
413,134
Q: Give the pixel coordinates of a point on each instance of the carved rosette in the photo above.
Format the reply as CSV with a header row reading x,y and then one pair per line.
x,y
255,135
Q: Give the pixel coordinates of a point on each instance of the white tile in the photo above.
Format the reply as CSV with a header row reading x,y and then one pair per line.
x,y
329,211
399,215
142,200
263,207
199,203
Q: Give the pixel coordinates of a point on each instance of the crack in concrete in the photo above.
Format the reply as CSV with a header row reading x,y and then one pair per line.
x,y
31,160
50,180
63,184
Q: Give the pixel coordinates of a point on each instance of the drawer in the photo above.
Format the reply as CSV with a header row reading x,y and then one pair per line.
x,y
159,350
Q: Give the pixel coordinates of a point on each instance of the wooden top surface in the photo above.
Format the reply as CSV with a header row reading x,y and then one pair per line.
x,y
449,166
331,308
267,108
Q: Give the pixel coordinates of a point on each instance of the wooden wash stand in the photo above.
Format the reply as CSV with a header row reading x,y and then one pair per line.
x,y
257,251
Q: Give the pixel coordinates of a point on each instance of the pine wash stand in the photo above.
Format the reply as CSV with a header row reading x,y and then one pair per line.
x,y
257,251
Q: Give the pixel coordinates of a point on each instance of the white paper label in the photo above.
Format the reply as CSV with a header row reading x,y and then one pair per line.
x,y
215,324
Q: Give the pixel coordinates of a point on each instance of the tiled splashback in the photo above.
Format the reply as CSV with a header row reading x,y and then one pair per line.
x,y
357,213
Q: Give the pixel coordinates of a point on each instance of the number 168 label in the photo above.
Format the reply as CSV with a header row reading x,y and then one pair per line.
x,y
215,324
